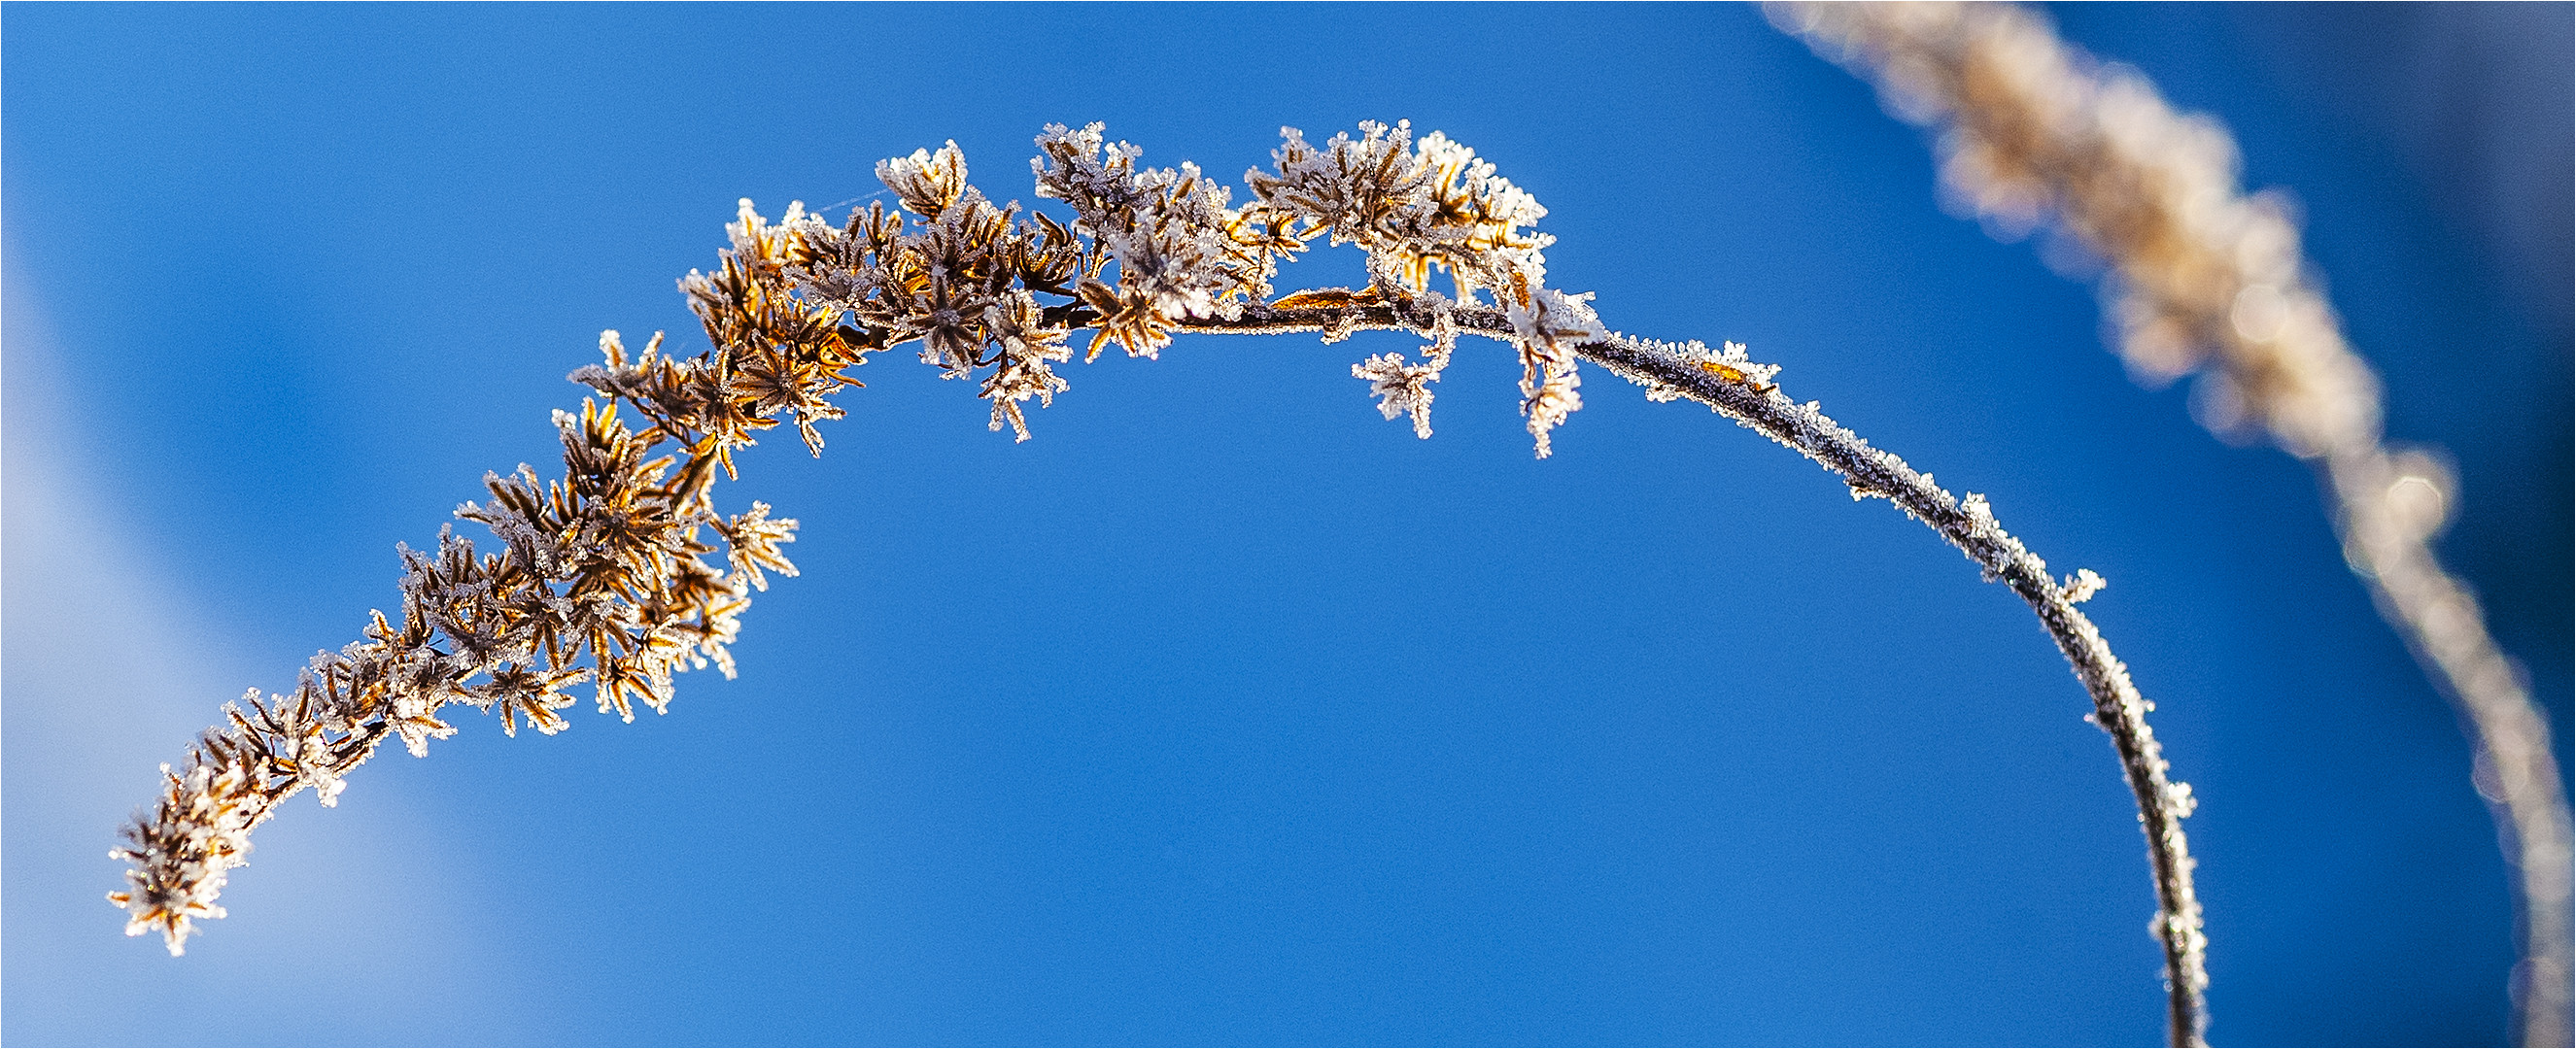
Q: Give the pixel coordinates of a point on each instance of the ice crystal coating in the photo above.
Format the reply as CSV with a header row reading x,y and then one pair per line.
x,y
1402,388
1181,252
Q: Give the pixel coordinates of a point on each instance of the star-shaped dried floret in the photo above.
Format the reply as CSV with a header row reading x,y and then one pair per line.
x,y
752,539
517,689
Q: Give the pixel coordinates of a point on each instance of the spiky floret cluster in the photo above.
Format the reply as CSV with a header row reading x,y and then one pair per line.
x,y
1150,252
603,576
600,576
1414,206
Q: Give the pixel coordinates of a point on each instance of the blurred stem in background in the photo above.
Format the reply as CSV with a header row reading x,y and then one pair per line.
x,y
2203,278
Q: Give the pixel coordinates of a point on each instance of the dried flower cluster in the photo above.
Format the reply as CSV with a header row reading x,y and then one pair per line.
x,y
2205,277
601,576
1152,251
604,576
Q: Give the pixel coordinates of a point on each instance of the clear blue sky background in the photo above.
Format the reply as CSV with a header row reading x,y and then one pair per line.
x,y
1225,711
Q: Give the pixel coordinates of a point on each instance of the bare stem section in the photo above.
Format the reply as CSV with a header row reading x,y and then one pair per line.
x,y
2203,277
1729,383
601,575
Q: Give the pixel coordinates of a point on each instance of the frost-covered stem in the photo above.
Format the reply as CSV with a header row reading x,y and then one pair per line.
x,y
989,292
1968,524
2516,771
2117,705
2203,276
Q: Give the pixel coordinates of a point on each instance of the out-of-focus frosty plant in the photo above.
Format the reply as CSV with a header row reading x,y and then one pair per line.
x,y
2202,277
604,575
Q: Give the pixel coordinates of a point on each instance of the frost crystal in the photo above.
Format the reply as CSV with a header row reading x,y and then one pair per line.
x,y
1400,388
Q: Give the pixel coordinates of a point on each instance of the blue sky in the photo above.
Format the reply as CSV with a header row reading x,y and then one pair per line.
x,y
1226,711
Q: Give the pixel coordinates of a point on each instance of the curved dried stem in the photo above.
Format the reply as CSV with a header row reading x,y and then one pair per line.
x,y
2204,277
603,576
